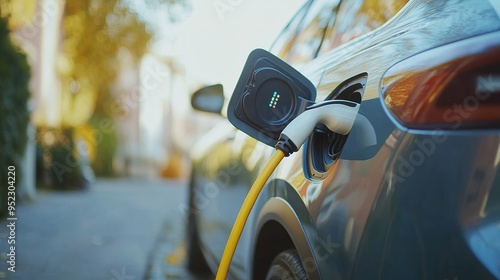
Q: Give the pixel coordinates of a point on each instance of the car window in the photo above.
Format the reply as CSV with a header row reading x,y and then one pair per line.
x,y
358,17
301,42
287,35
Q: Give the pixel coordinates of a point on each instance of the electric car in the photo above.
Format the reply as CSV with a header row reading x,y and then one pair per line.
x,y
411,192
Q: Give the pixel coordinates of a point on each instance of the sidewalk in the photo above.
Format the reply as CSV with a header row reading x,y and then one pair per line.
x,y
123,229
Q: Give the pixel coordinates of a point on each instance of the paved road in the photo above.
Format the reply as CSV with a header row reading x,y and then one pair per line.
x,y
126,229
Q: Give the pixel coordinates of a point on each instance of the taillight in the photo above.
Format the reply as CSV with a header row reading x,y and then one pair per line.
x,y
456,86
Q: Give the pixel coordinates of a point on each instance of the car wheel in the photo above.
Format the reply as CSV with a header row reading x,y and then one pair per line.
x,y
195,260
286,265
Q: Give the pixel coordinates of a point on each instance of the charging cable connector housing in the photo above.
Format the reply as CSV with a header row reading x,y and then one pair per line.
x,y
337,115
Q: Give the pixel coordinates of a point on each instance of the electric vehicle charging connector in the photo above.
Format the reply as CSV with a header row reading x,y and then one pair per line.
x,y
337,115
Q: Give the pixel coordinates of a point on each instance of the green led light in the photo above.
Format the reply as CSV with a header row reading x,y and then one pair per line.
x,y
274,100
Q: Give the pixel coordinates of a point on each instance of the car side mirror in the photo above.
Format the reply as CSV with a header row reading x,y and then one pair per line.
x,y
208,99
268,96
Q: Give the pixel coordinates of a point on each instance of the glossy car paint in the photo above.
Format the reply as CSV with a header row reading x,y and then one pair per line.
x,y
385,214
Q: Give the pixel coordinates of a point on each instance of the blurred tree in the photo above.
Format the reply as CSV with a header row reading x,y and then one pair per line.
x,y
14,114
95,33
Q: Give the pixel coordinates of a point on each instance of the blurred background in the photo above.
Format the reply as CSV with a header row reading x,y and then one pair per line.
x,y
95,91
102,88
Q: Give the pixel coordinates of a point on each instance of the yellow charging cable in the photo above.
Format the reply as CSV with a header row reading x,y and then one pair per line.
x,y
337,115
245,209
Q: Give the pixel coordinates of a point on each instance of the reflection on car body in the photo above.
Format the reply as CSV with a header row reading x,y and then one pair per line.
x,y
405,200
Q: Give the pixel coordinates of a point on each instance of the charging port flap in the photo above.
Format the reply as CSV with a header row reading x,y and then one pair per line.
x,y
268,96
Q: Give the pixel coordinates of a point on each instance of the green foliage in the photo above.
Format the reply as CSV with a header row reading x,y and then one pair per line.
x,y
57,164
106,147
14,115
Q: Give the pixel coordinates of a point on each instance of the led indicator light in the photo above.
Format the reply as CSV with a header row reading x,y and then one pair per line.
x,y
274,100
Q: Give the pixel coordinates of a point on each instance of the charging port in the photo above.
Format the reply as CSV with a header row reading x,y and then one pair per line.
x,y
323,148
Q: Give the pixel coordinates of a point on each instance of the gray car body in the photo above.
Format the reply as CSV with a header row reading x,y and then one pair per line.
x,y
376,216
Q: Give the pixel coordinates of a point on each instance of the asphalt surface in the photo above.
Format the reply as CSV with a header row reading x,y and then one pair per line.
x,y
125,229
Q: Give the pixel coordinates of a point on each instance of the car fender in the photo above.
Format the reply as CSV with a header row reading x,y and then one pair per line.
x,y
286,208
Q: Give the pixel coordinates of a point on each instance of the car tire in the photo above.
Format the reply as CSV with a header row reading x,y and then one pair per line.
x,y
286,265
194,257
